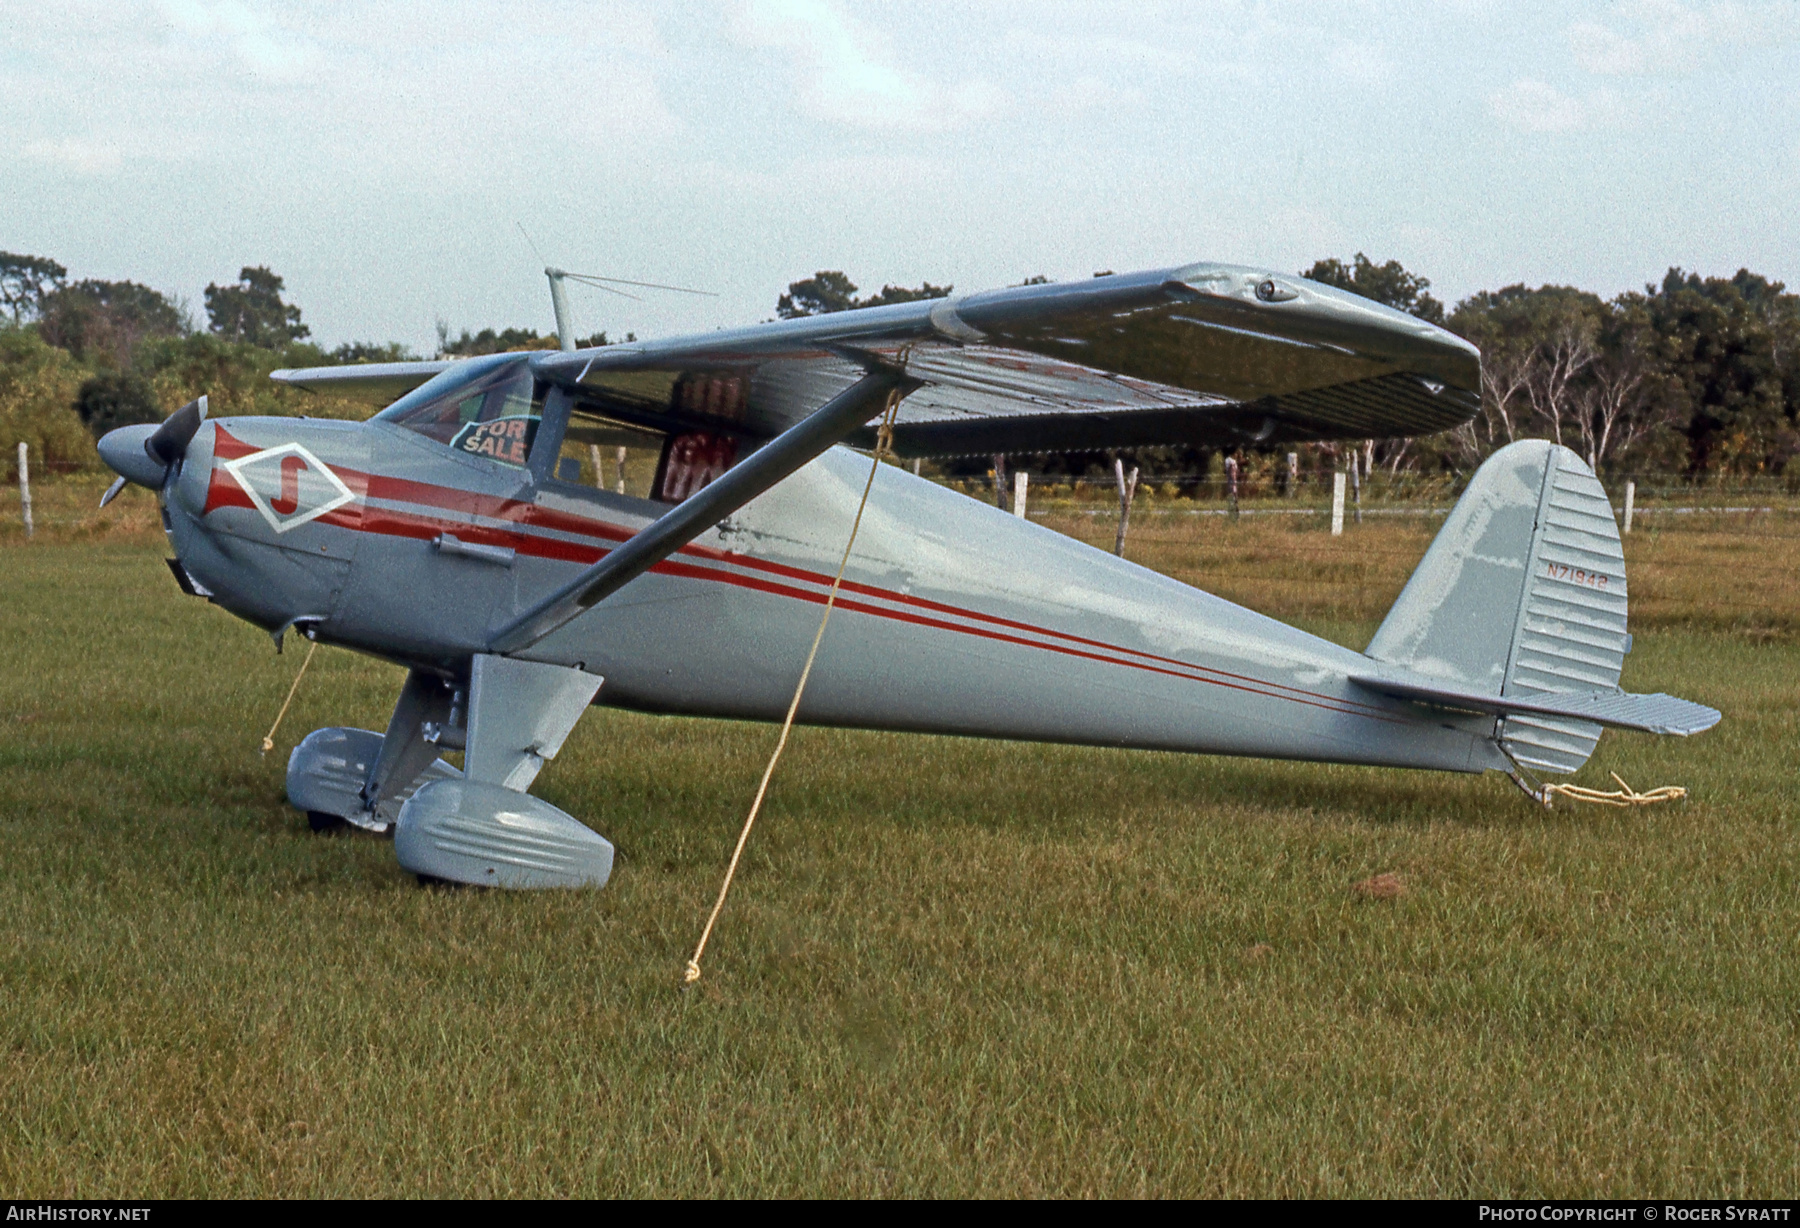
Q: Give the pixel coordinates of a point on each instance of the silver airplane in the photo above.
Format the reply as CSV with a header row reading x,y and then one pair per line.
x,y
450,534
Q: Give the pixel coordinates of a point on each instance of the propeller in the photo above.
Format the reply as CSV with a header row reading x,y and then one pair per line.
x,y
150,456
170,441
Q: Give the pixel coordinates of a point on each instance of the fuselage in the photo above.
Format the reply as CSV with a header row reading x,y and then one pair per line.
x,y
953,617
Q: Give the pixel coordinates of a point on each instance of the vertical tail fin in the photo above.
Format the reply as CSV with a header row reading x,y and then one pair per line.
x,y
1521,594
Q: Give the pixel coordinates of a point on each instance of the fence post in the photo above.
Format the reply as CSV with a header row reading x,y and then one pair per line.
x,y
1020,480
25,486
1000,480
1127,491
1356,486
1293,475
918,464
1337,503
1630,501
599,473
620,488
1231,486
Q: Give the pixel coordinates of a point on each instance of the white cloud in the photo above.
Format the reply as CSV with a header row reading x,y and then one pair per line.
x,y
81,156
846,75
1362,64
1076,96
1666,37
1061,46
377,153
262,47
1536,107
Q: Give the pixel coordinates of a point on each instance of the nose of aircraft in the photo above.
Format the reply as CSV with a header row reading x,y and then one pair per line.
x,y
143,453
124,453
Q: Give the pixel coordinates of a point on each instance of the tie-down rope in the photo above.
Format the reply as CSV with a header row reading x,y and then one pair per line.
x,y
884,441
1625,795
268,742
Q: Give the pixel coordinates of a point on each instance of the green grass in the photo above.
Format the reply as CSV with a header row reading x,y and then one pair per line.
x,y
948,967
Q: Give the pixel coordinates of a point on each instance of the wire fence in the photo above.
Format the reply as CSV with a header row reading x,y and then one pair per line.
x,y
1778,491
1762,507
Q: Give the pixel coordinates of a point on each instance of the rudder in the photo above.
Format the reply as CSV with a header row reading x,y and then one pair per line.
x,y
1521,594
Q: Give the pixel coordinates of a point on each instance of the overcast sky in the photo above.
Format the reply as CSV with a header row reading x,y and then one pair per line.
x,y
383,156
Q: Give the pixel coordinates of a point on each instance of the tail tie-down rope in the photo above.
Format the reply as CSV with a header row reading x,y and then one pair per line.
x,y
268,742
1625,795
884,443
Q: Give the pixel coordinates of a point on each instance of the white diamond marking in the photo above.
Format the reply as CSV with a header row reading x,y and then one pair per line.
x,y
277,522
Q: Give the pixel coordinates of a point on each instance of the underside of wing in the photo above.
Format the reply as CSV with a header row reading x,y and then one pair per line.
x,y
1211,355
374,382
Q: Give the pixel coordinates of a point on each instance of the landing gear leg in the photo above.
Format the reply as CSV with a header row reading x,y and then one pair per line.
x,y
484,829
405,754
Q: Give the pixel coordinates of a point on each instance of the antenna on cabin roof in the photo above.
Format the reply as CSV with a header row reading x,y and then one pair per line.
x,y
559,298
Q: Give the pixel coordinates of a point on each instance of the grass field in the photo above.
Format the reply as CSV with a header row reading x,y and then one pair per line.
x,y
950,967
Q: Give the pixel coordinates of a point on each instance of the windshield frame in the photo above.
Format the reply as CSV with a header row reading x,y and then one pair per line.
x,y
472,377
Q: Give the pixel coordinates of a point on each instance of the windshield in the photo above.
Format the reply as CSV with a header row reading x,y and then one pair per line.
x,y
493,414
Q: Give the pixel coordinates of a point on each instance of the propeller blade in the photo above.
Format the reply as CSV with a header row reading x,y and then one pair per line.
x,y
112,492
169,442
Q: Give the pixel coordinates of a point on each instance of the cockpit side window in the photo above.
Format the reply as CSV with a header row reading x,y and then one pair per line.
x,y
601,450
495,416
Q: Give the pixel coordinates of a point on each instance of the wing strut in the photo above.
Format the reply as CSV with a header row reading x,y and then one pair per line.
x,y
680,525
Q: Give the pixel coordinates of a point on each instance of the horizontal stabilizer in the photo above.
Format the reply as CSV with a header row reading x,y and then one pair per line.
x,y
1647,713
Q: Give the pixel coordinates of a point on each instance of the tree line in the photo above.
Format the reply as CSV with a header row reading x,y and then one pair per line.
x,y
1695,375
78,358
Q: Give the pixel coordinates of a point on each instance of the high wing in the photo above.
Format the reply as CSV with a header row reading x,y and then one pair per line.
x,y
1207,354
374,382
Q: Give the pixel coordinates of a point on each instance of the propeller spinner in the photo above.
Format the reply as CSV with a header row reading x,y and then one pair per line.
x,y
148,455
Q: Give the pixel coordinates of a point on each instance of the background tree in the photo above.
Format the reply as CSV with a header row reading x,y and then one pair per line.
x,y
1728,347
1388,283
115,398
487,341
1628,403
829,290
1533,343
253,311
24,281
371,351
38,383
904,294
821,294
105,320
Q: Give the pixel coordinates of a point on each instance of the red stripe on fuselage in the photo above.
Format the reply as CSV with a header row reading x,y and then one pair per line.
x,y
385,522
